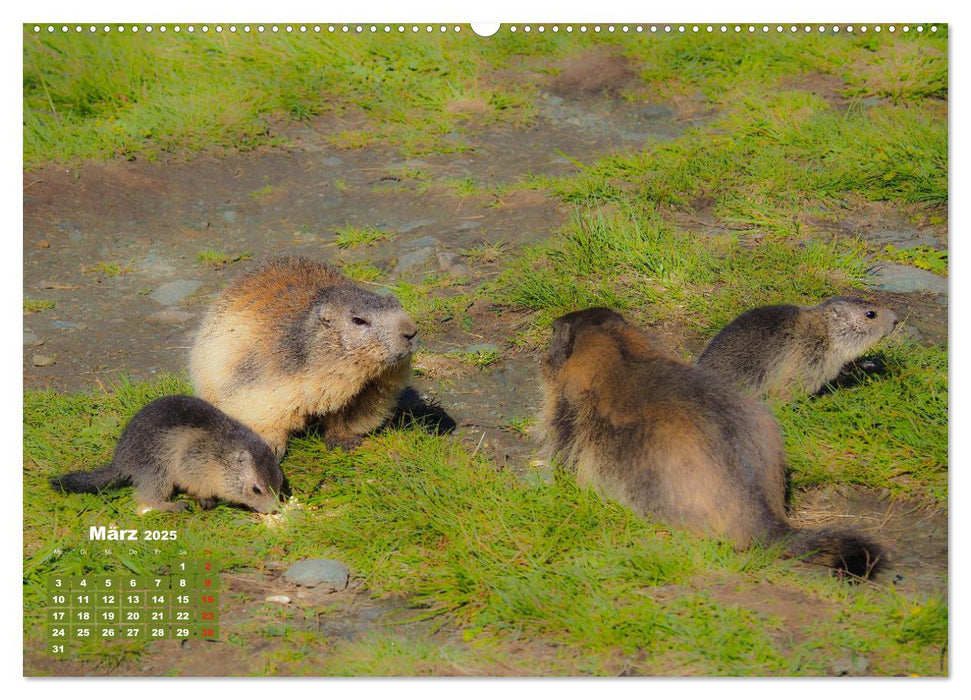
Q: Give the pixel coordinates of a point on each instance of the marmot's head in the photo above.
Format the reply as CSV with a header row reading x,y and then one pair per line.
x,y
367,328
565,329
252,476
855,325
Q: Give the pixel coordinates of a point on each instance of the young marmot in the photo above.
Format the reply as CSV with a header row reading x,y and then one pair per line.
x,y
785,350
293,339
183,443
673,441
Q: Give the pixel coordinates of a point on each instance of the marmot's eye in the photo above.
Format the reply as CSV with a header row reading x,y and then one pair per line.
x,y
257,490
358,321
871,314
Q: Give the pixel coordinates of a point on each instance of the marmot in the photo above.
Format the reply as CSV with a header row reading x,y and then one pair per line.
x,y
293,339
673,441
183,443
785,350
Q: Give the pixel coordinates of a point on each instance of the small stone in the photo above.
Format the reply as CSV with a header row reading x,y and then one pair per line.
x,y
554,100
316,572
468,225
423,242
891,277
413,259
63,324
174,292
229,216
851,664
43,244
412,225
30,338
282,599
332,161
42,361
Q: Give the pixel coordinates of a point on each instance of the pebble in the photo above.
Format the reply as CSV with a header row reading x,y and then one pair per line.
x,y
31,338
229,215
332,161
316,572
423,242
282,599
412,225
174,292
851,664
413,259
891,277
42,361
63,324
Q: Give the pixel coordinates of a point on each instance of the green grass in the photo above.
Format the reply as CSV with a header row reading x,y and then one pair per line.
x,y
923,257
889,432
640,264
424,520
217,258
361,271
356,236
114,94
33,306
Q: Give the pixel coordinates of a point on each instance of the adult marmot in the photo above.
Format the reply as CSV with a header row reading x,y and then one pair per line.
x,y
673,441
183,443
785,350
293,339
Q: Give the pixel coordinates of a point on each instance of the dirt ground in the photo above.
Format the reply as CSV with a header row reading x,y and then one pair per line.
x,y
151,220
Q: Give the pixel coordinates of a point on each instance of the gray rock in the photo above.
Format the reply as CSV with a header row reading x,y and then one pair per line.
x,y
423,242
468,225
63,324
30,338
332,161
412,225
413,259
852,664
42,361
229,215
318,572
554,100
891,277
174,292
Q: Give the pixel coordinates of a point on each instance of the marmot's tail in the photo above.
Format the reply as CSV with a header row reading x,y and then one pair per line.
x,y
846,552
89,481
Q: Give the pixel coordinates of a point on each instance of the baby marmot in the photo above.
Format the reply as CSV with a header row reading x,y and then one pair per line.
x,y
672,441
294,339
786,350
183,443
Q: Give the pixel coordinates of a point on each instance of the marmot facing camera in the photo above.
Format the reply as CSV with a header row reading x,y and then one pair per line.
x,y
182,443
294,339
786,350
672,441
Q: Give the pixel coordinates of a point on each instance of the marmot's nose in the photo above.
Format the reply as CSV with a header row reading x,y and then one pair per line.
x,y
408,329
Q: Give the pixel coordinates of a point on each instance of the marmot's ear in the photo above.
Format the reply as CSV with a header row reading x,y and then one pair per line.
x,y
561,347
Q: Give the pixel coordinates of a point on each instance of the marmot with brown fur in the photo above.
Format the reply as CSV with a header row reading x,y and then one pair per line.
x,y
674,442
182,443
295,339
783,351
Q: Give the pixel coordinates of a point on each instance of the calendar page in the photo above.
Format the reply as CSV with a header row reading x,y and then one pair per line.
x,y
568,349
